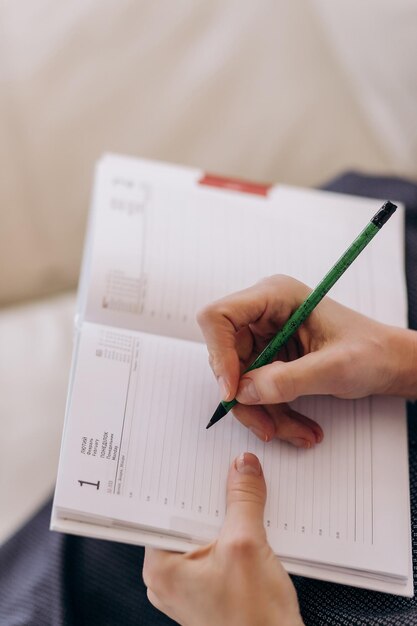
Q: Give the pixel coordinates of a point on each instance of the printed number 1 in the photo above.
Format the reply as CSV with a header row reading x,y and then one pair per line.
x,y
85,482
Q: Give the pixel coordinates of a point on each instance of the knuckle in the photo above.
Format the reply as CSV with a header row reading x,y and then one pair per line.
x,y
345,362
338,371
282,383
207,314
274,280
242,546
282,281
346,365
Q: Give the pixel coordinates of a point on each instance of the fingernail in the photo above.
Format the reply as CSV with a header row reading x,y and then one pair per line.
x,y
224,388
319,436
248,464
247,391
299,442
258,432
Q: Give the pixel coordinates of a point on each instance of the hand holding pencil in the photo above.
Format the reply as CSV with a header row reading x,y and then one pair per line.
x,y
334,351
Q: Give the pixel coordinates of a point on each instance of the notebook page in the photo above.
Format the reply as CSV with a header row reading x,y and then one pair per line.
x,y
136,452
163,246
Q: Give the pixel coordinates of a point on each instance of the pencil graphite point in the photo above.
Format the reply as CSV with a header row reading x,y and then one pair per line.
x,y
217,415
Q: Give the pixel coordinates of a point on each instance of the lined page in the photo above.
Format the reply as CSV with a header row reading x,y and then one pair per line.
x,y
136,452
162,246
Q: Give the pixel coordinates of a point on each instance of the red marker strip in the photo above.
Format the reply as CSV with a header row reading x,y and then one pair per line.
x,y
235,184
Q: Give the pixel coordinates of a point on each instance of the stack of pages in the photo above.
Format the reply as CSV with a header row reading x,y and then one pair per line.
x,y
137,464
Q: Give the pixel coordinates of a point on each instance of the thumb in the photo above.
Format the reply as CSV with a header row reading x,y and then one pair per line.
x,y
246,497
285,381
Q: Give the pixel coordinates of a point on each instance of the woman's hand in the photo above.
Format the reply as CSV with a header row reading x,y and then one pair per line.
x,y
234,581
335,351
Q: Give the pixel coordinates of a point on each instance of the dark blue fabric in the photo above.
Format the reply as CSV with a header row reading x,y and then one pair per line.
x,y
48,579
326,603
394,189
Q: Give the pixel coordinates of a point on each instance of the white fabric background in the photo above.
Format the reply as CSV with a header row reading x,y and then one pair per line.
x,y
271,90
36,342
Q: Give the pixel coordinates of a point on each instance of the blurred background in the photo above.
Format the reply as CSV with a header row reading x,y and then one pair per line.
x,y
270,90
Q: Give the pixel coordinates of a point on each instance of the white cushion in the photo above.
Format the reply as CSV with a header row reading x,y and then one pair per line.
x,y
36,344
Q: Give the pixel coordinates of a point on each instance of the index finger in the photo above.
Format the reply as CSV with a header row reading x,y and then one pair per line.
x,y
220,323
268,302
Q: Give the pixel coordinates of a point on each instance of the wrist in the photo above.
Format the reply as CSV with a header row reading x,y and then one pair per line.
x,y
403,356
281,617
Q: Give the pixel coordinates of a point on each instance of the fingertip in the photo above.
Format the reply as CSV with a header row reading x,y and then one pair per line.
x,y
300,427
260,433
319,434
224,388
300,442
248,463
245,498
315,429
303,438
246,469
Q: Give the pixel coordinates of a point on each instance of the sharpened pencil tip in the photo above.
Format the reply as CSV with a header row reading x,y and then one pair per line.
x,y
217,415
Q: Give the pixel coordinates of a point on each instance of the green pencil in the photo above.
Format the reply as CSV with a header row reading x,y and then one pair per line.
x,y
310,303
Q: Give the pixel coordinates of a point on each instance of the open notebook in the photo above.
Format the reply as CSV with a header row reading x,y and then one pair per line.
x,y
137,464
